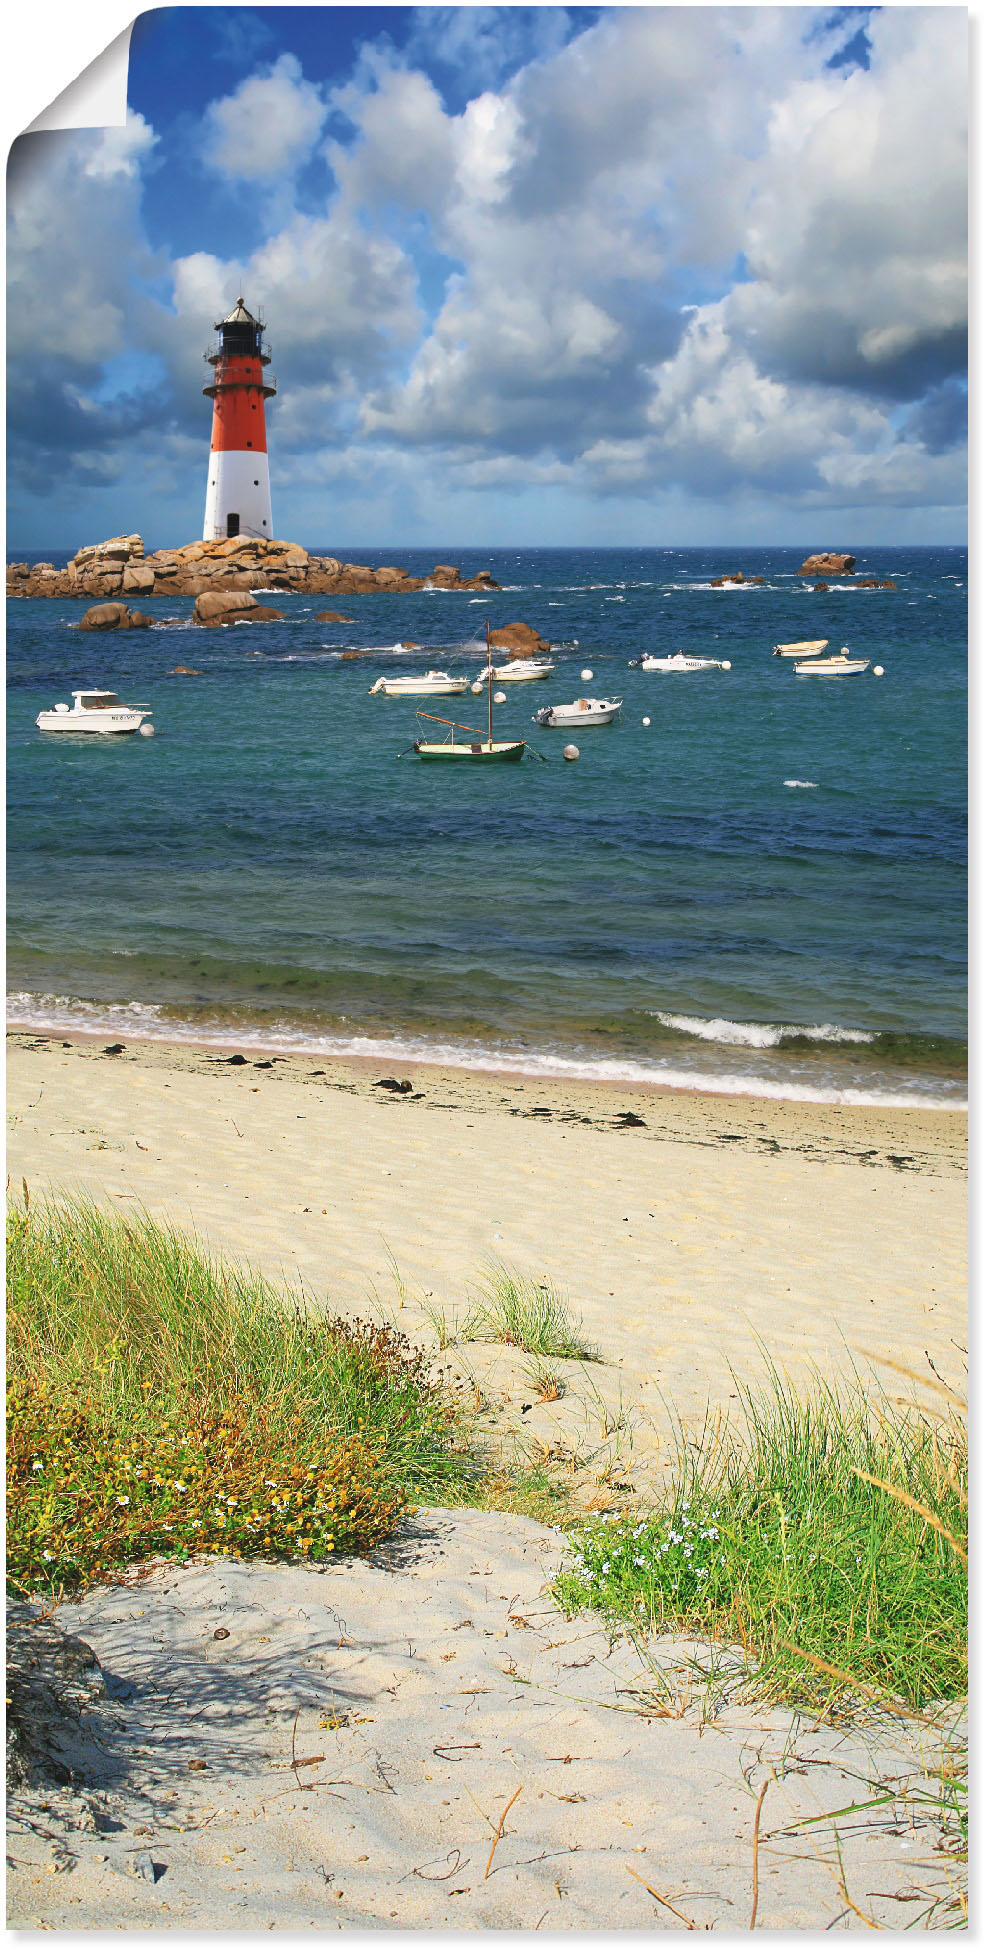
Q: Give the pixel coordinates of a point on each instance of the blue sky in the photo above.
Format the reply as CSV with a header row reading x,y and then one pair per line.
x,y
544,274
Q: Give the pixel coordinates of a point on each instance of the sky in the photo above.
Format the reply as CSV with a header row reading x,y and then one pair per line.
x,y
540,275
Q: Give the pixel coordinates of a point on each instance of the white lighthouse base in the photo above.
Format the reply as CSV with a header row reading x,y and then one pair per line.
x,y
237,499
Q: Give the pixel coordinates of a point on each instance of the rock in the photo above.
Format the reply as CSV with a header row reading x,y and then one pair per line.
x,y
103,569
332,617
106,616
818,588
520,640
16,570
402,1085
407,644
139,620
139,1863
219,607
888,584
185,671
826,563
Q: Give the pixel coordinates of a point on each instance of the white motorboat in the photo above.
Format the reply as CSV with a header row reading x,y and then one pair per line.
x,y
518,671
810,647
680,661
584,711
841,666
94,711
433,684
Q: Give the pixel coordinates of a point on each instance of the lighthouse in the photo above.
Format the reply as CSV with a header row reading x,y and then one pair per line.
x,y
237,498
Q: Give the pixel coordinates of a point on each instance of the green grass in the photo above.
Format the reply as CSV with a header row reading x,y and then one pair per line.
x,y
163,1401
525,1314
776,1541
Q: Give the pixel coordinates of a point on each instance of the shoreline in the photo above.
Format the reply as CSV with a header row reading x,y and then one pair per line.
x,y
540,1067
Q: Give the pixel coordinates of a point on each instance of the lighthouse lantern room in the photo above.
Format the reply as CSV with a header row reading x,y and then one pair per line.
x,y
237,499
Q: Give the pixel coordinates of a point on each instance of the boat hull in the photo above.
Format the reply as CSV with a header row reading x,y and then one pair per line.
x,y
572,721
497,750
833,668
406,688
102,724
517,673
672,667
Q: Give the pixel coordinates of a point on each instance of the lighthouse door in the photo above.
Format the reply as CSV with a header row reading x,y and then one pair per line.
x,y
232,524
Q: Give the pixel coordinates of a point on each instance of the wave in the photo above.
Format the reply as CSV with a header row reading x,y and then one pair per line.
x,y
761,1036
800,782
151,1022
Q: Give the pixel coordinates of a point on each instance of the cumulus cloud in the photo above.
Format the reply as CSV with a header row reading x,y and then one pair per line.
x,y
267,127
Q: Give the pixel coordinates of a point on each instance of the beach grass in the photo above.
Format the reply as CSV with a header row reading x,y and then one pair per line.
x,y
525,1314
823,1533
163,1401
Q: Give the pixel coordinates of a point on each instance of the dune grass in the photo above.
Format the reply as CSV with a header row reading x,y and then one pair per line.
x,y
826,1537
525,1314
163,1401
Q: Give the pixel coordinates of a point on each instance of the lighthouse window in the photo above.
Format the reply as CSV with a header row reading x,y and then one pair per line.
x,y
249,443
256,484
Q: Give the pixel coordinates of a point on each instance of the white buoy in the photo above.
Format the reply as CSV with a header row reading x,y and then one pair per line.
x,y
647,721
146,731
879,671
571,752
499,697
586,677
726,664
477,690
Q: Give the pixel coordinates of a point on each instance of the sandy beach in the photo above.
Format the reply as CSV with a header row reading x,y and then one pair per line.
x,y
296,1747
693,1244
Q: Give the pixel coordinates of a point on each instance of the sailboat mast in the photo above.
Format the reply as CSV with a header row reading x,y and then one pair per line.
x,y
488,647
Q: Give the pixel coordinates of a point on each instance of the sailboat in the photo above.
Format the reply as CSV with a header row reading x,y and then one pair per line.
x,y
475,744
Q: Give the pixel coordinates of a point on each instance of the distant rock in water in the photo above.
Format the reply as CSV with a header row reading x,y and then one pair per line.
x,y
737,576
114,616
520,640
216,608
119,567
827,564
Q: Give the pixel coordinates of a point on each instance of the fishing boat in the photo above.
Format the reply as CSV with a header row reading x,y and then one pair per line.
x,y
433,684
841,666
680,661
584,711
810,647
94,711
475,744
519,671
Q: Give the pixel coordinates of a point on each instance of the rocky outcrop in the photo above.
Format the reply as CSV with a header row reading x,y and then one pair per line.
x,y
873,583
520,640
736,576
827,564
120,566
114,616
215,607
332,617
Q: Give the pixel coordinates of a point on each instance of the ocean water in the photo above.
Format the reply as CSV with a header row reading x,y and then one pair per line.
x,y
762,890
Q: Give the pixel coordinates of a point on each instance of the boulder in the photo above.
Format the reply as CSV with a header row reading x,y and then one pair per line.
x,y
826,563
233,607
139,620
332,617
520,640
18,569
185,671
138,576
818,588
106,616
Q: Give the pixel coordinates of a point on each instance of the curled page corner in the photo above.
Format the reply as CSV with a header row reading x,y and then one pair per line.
x,y
96,99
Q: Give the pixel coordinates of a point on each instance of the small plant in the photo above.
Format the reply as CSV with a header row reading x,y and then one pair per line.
x,y
548,1385
525,1314
161,1401
445,1331
827,1539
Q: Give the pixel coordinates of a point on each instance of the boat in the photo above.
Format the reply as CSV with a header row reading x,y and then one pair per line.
x,y
433,684
810,647
584,711
94,711
475,744
681,661
841,666
518,671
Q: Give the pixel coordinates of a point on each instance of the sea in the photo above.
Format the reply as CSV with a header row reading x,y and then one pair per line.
x,y
750,883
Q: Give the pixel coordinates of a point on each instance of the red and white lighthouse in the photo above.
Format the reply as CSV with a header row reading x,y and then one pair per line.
x,y
237,499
